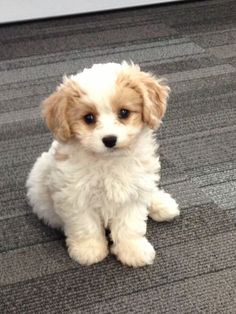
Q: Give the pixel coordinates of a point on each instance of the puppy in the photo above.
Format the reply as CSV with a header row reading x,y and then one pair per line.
x,y
101,170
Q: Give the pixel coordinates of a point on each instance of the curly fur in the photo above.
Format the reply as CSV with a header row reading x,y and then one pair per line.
x,y
82,186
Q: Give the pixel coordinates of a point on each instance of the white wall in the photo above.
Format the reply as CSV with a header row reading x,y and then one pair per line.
x,y
20,10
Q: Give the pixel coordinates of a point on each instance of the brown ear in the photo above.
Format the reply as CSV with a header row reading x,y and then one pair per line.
x,y
153,91
55,114
155,100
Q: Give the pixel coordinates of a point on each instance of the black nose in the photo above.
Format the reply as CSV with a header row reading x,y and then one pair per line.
x,y
109,141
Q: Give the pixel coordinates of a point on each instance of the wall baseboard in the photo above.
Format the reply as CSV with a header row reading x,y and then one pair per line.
x,y
23,10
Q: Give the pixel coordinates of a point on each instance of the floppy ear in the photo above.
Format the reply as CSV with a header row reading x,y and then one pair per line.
x,y
155,96
55,114
56,108
154,92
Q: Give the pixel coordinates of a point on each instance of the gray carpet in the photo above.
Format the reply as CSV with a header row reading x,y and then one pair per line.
x,y
193,44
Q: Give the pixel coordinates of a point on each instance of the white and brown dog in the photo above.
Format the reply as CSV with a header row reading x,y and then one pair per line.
x,y
102,169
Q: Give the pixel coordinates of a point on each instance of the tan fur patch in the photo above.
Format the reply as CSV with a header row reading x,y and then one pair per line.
x,y
154,94
155,104
55,114
65,109
128,98
60,157
77,113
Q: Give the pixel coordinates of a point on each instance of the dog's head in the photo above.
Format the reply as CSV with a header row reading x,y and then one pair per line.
x,y
106,107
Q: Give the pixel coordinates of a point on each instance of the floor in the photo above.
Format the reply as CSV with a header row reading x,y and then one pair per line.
x,y
193,45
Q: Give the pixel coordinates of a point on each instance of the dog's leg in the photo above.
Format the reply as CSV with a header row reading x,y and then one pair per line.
x,y
128,230
86,239
163,207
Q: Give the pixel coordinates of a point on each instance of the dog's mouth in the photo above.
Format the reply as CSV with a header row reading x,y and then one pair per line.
x,y
113,152
113,149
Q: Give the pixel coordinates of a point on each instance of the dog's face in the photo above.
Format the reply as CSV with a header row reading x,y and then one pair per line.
x,y
106,107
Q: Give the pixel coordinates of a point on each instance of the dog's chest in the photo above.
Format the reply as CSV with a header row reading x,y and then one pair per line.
x,y
109,184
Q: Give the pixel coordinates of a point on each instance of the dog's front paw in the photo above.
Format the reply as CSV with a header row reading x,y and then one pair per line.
x,y
136,252
163,207
88,251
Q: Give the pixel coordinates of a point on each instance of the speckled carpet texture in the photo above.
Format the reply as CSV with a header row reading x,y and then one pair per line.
x,y
193,45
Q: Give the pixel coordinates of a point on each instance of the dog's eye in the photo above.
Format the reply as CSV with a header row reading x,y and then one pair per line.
x,y
89,118
123,113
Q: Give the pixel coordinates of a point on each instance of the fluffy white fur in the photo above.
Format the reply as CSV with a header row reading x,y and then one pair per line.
x,y
93,187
